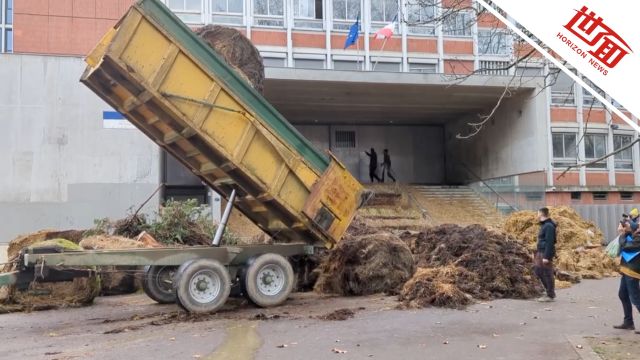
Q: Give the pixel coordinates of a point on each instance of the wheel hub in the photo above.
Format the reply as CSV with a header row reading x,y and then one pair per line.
x,y
271,279
205,286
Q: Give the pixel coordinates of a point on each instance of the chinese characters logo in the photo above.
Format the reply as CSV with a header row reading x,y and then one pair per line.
x,y
606,45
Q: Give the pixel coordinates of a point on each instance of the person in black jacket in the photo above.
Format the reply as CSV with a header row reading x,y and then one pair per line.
x,y
545,251
386,165
629,292
373,165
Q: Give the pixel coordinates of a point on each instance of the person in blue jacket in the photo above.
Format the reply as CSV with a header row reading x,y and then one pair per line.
x,y
629,291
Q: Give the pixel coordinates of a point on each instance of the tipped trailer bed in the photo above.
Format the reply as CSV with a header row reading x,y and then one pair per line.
x,y
173,87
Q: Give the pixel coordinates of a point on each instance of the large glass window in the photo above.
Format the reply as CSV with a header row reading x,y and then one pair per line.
x,y
564,149
595,146
623,159
423,67
6,26
588,100
268,13
383,11
307,14
345,13
562,89
457,23
228,12
492,42
420,16
189,11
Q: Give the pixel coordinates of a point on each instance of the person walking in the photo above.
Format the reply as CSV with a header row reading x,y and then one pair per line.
x,y
545,251
629,291
373,165
386,165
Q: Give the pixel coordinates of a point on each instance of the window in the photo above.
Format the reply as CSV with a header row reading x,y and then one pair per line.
x,y
274,62
595,146
491,42
6,26
353,65
383,11
268,13
600,195
564,149
576,195
588,100
345,139
623,159
529,71
345,13
229,12
420,16
457,23
626,195
308,63
307,14
189,11
562,89
534,196
425,68
494,67
385,66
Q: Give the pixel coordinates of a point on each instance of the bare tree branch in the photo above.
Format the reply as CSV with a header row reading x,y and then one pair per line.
x,y
598,159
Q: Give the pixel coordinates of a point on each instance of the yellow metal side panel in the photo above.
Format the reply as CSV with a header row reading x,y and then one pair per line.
x,y
305,174
293,192
98,52
226,127
262,159
186,79
146,50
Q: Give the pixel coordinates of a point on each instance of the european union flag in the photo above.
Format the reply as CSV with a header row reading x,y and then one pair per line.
x,y
354,31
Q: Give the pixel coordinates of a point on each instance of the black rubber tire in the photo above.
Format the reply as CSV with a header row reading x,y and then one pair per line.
x,y
152,286
186,272
251,278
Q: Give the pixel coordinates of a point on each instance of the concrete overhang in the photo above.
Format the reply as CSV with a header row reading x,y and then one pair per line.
x,y
356,97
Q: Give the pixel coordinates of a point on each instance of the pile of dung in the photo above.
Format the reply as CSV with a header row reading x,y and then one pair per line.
x,y
26,240
40,296
237,51
578,248
458,263
131,226
437,287
365,264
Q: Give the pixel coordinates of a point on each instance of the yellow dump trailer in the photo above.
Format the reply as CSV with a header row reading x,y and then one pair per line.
x,y
179,92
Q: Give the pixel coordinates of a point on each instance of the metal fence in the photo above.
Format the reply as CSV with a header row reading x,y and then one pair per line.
x,y
606,217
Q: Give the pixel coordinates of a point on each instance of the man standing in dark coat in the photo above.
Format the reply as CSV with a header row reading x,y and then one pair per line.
x,y
373,165
545,251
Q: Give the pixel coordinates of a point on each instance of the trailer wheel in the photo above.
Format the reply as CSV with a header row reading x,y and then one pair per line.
x,y
202,285
268,280
158,283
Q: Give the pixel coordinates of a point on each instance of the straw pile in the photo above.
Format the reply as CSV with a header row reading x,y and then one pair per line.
x,y
578,249
365,264
458,263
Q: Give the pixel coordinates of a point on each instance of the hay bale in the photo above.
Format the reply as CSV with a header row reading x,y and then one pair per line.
x,y
473,261
40,296
364,265
237,51
115,280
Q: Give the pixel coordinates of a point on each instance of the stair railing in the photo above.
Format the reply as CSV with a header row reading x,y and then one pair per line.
x,y
498,196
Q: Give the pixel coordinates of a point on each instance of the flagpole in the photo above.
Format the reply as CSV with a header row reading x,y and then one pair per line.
x,y
381,50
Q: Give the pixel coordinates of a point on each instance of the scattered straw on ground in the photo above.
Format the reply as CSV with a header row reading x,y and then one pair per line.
x,y
577,246
366,264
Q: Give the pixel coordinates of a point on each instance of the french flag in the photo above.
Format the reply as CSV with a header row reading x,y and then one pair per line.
x,y
387,31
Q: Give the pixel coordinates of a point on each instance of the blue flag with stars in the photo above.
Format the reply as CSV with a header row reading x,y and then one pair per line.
x,y
354,31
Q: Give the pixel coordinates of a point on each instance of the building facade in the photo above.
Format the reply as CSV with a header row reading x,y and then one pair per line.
x,y
415,93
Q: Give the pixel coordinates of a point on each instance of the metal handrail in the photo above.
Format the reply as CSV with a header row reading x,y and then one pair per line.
x,y
489,187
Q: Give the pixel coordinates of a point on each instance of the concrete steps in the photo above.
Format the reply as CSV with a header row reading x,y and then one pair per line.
x,y
457,205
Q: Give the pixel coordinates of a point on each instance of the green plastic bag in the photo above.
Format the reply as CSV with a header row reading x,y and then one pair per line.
x,y
613,249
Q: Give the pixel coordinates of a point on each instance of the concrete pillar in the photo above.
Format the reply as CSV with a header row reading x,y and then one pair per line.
x,y
580,114
547,116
